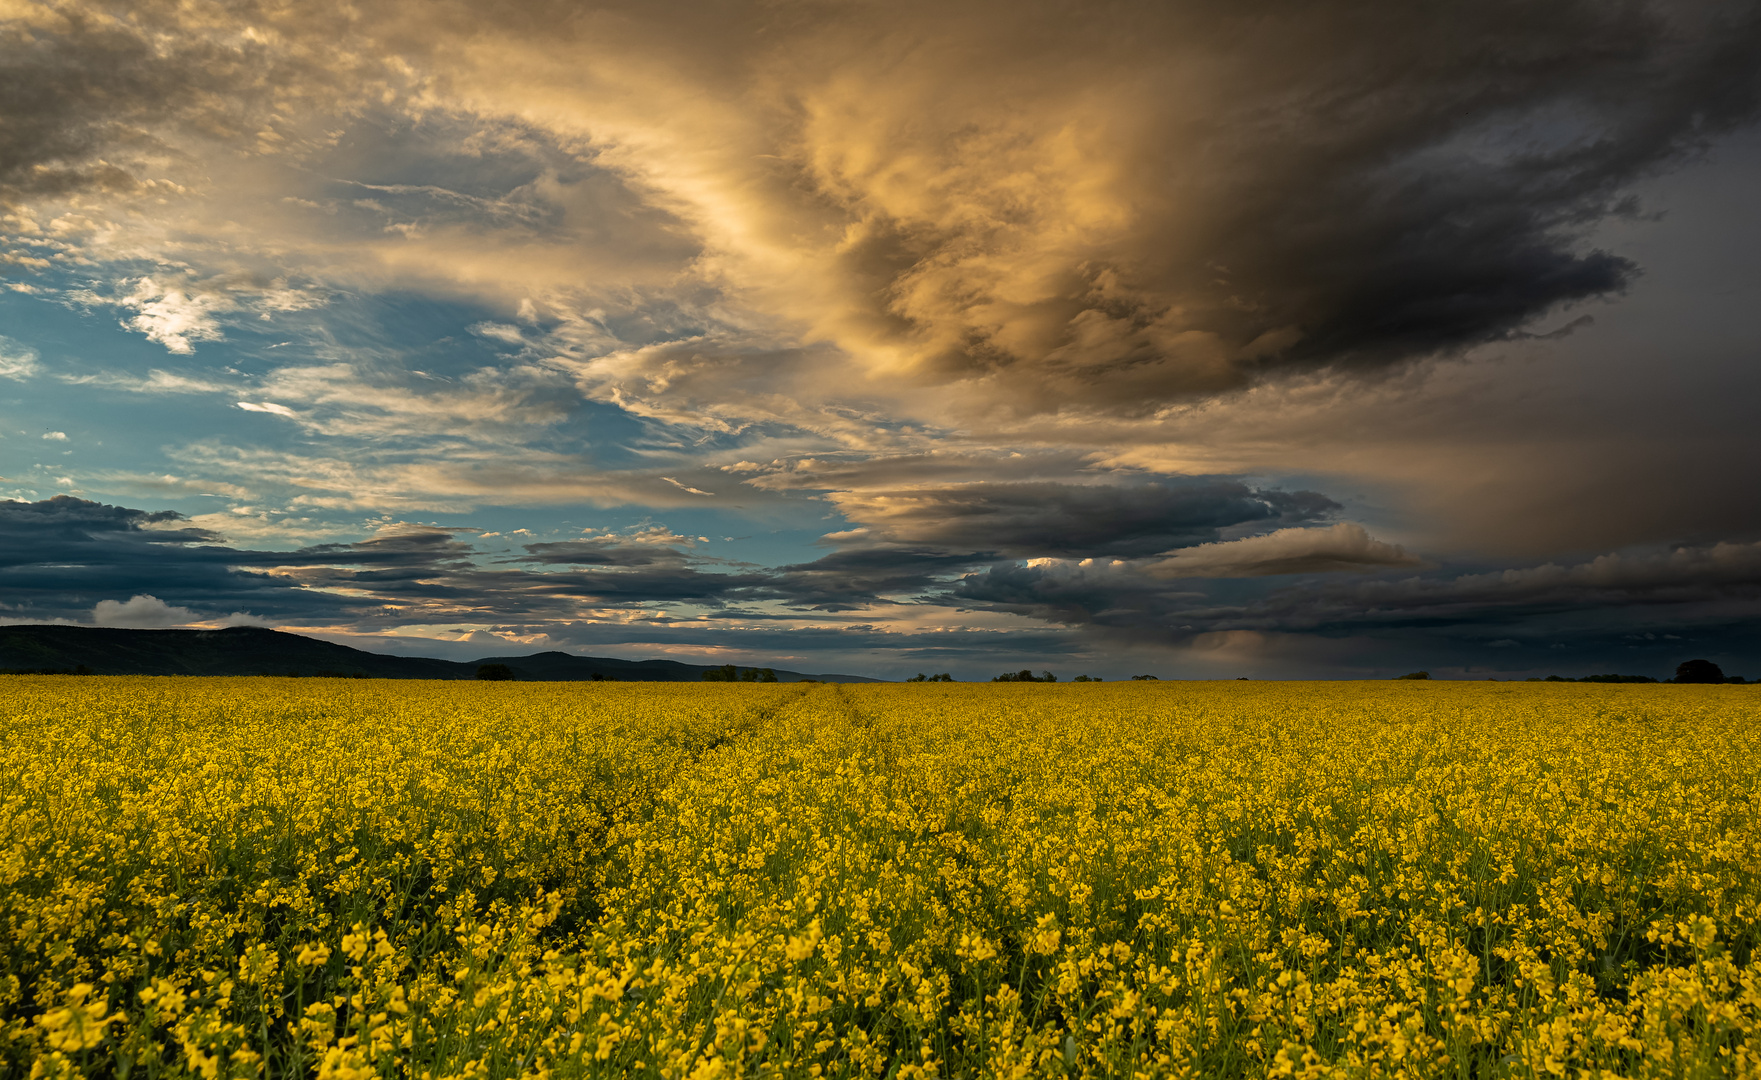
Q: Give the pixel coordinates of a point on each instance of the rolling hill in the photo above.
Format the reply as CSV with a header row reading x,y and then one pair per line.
x,y
251,650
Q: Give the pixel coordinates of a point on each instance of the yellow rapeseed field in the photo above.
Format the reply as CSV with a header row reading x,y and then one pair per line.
x,y
351,878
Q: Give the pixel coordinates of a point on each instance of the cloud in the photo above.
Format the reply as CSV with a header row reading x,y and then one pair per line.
x,y
644,546
686,487
1037,209
511,335
174,317
17,362
646,585
55,436
60,557
141,611
864,577
267,407
1030,520
1344,546
97,103
487,405
155,382
1644,581
426,472
1113,595
1079,212
1715,587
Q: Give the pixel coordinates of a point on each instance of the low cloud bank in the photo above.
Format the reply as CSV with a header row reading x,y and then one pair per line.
x,y
68,559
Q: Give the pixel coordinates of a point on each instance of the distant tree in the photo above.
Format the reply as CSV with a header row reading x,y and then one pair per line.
x,y
1415,675
1145,678
725,673
1024,675
1087,678
919,677
1698,671
943,677
766,675
495,672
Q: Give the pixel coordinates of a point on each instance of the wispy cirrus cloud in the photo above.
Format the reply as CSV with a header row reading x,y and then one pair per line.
x,y
17,362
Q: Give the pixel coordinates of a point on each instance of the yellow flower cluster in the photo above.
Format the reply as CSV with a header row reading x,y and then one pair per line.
x,y
350,878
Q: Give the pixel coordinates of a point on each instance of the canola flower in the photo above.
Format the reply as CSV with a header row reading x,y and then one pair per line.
x,y
345,879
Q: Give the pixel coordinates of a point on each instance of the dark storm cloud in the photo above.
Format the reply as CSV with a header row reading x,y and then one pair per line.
x,y
1408,180
1113,208
1443,164
1715,586
64,555
1095,207
70,527
61,556
1102,596
1036,520
1687,579
862,576
69,97
90,101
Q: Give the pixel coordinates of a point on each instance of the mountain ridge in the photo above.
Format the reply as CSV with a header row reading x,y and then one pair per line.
x,y
255,650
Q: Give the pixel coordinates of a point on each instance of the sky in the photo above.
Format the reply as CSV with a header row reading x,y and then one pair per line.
x,y
1200,339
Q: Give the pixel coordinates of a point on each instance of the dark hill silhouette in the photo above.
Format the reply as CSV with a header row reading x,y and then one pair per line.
x,y
251,650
